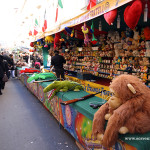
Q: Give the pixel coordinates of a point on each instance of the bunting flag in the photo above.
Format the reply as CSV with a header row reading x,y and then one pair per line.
x,y
91,4
61,6
35,27
30,33
45,22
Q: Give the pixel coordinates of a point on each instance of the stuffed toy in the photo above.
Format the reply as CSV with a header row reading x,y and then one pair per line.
x,y
62,86
32,44
147,33
127,111
56,39
49,39
85,30
43,76
29,70
147,45
94,40
69,31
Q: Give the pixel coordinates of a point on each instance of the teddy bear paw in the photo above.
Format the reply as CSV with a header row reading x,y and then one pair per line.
x,y
107,116
100,137
123,130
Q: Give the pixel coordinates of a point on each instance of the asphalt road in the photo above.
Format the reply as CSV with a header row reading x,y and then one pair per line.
x,y
26,125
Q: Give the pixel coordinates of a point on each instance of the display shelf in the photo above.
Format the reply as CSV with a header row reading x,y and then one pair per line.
x,y
133,71
102,72
105,68
78,65
134,56
106,63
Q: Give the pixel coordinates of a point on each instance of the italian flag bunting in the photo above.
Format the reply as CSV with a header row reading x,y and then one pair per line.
x,y
61,6
35,27
30,33
45,22
91,4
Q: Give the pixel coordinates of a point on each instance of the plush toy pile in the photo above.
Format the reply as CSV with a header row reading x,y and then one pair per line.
x,y
29,70
43,76
127,111
62,86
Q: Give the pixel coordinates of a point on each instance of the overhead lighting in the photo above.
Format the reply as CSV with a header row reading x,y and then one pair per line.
x,y
100,25
76,34
118,22
145,12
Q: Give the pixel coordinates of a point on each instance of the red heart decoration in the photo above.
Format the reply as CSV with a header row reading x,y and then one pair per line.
x,y
132,14
110,16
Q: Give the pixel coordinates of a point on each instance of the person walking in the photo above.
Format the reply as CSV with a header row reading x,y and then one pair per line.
x,y
26,57
49,58
2,71
12,66
57,61
7,72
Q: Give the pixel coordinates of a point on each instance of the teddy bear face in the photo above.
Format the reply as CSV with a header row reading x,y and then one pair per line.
x,y
114,101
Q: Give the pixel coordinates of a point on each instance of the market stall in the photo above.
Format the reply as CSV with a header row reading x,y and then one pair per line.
x,y
77,118
110,39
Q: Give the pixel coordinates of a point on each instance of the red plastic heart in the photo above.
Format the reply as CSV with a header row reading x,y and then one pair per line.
x,y
132,14
110,16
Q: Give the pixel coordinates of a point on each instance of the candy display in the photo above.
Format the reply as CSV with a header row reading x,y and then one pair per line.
x,y
125,52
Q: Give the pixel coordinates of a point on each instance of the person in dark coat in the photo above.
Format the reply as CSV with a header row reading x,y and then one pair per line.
x,y
33,58
57,61
7,72
2,71
26,57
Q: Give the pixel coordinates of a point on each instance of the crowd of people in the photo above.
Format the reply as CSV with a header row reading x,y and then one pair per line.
x,y
7,67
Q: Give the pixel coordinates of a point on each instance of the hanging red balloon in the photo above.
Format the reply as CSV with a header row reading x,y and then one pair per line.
x,y
32,44
132,14
110,16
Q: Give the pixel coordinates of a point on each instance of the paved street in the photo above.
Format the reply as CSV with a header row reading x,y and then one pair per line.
x,y
26,125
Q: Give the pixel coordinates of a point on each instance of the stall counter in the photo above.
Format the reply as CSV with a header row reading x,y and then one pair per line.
x,y
77,117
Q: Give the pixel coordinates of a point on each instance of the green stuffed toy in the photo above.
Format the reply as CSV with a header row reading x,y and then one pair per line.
x,y
62,86
43,76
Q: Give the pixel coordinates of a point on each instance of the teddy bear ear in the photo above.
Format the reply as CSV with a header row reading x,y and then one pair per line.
x,y
131,88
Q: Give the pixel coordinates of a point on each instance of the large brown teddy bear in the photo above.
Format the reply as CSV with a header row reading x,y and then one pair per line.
x,y
128,110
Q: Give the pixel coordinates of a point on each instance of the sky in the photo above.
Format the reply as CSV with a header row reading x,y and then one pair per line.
x,y
8,20
14,12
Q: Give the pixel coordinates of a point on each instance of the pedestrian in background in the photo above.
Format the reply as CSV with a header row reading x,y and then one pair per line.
x,y
12,66
2,71
57,61
6,71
